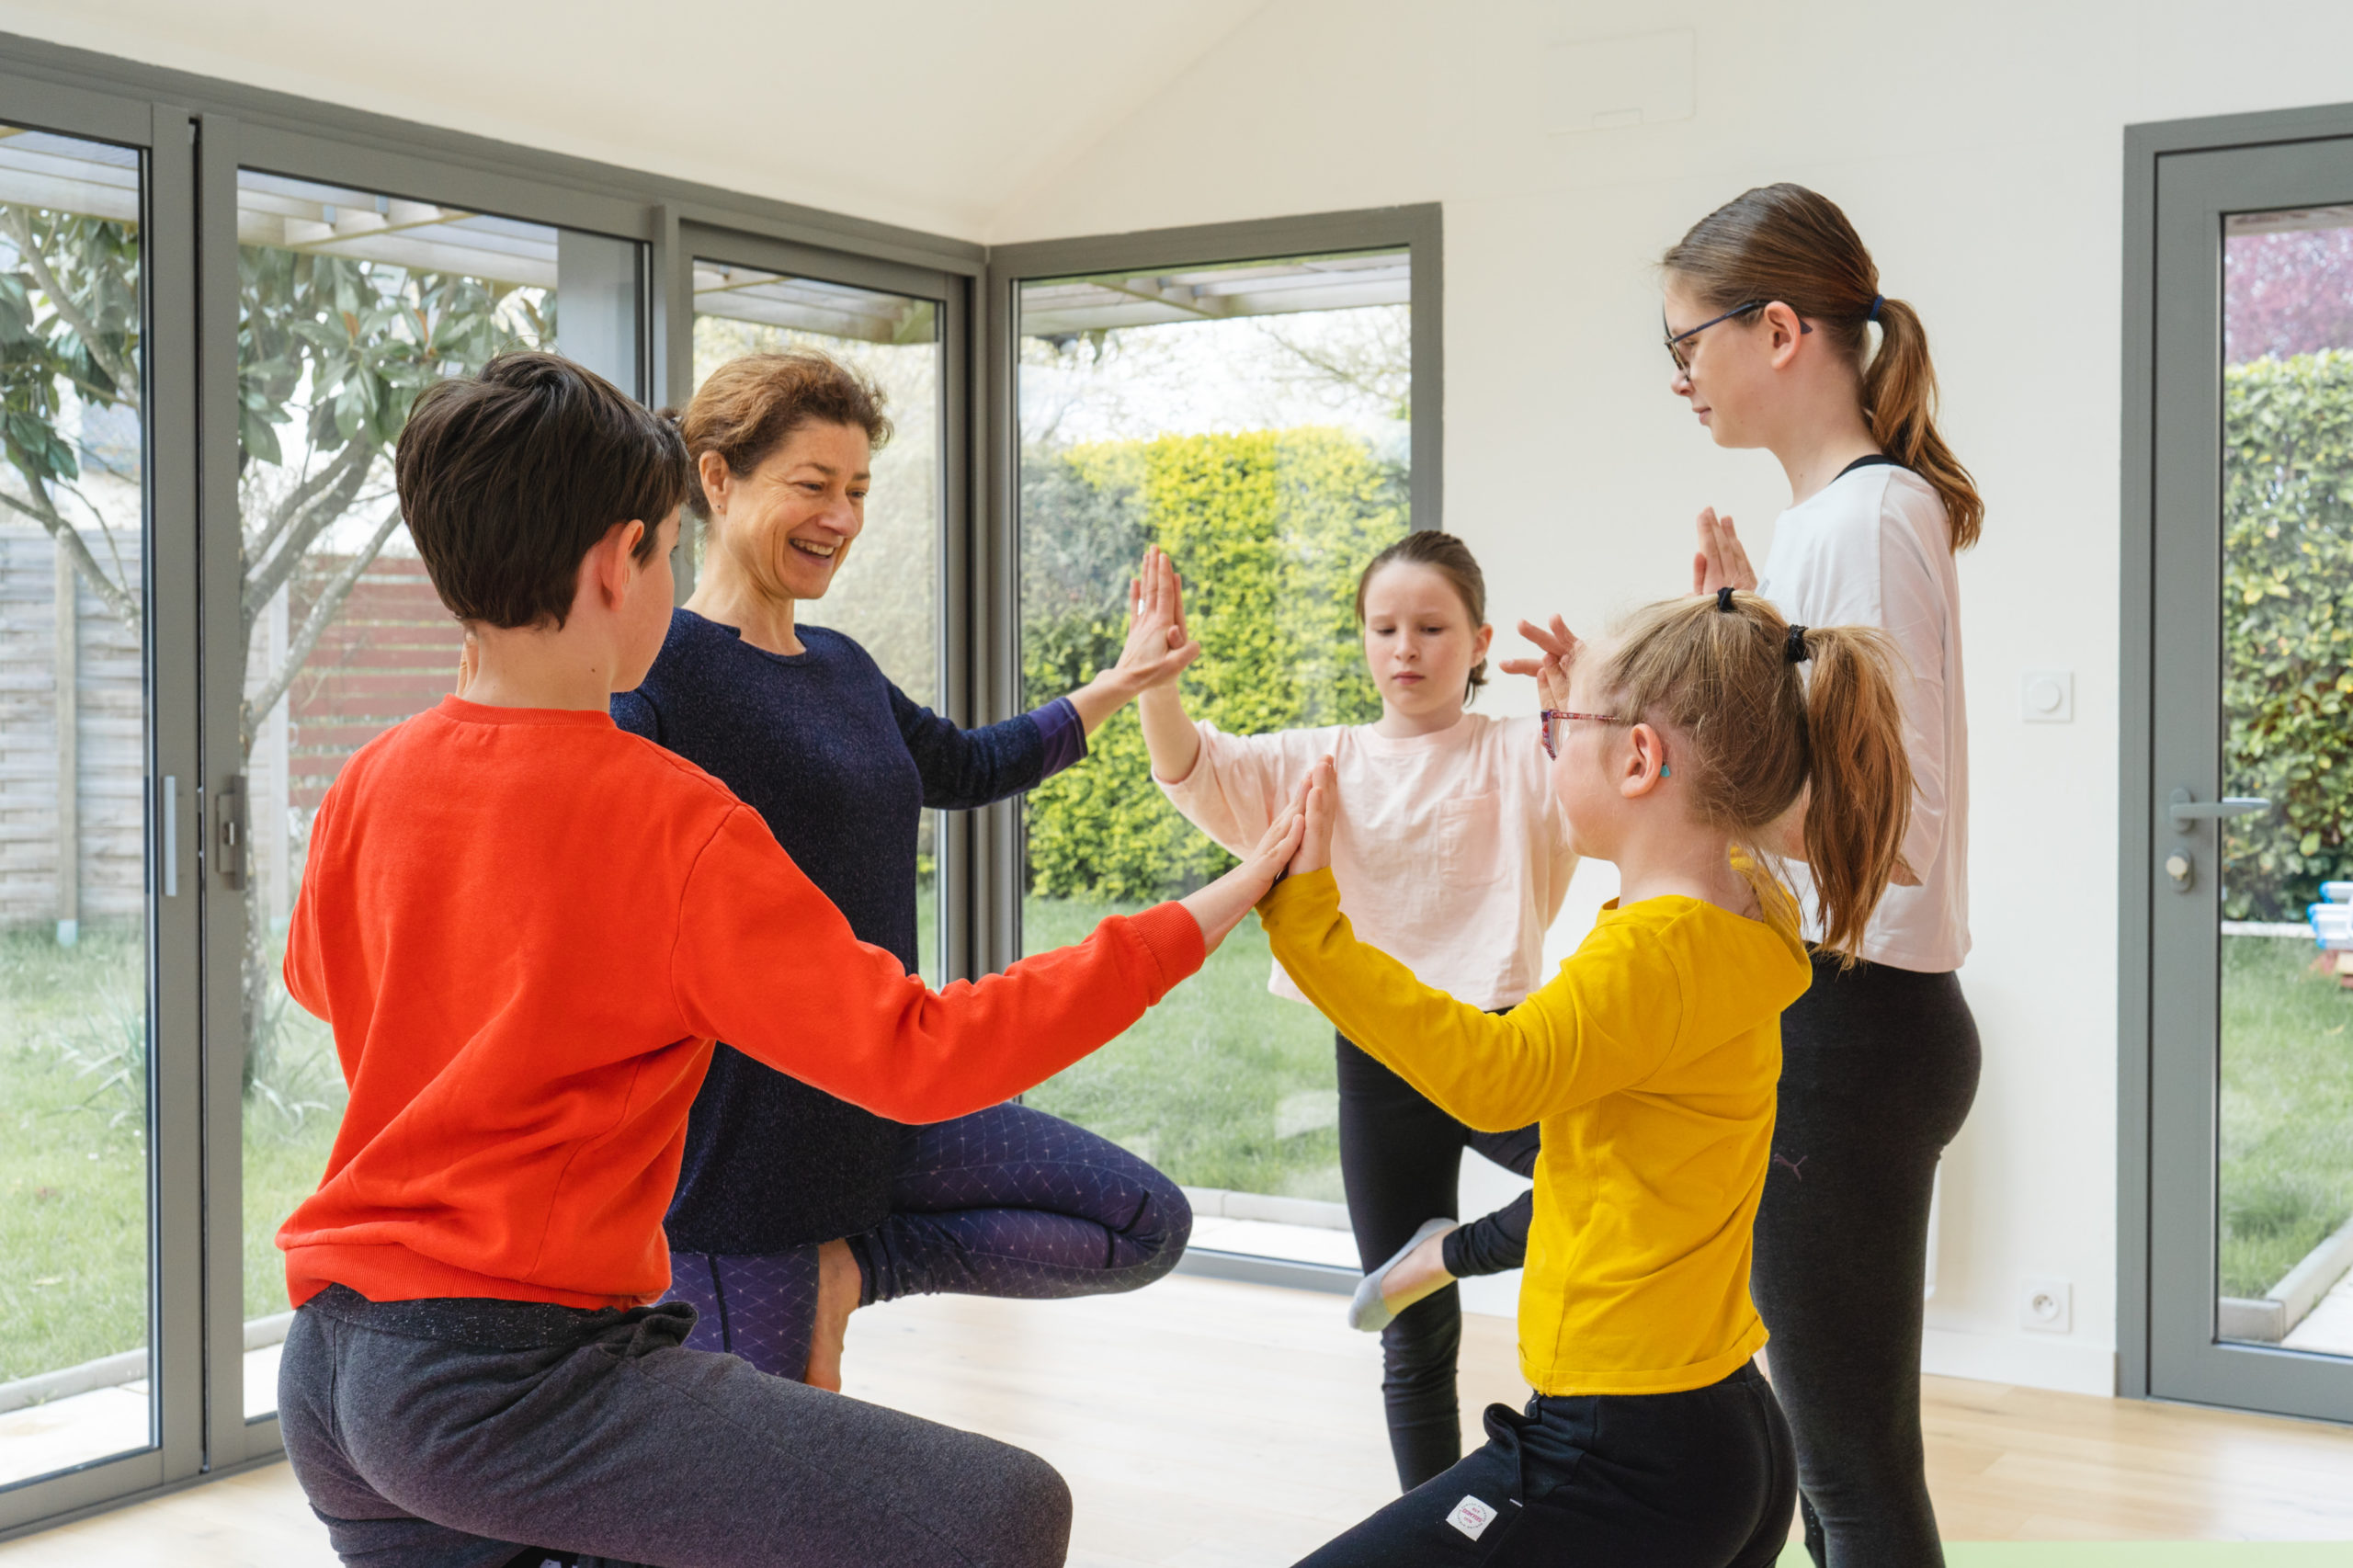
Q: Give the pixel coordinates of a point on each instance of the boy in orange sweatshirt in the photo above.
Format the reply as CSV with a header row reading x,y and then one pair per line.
x,y
527,928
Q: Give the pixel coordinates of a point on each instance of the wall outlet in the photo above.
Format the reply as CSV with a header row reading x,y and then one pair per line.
x,y
2047,1306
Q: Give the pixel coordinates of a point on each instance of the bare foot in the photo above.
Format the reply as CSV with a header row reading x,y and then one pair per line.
x,y
1421,1272
837,1285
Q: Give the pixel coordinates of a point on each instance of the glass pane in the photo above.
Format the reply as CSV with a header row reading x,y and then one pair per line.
x,y
73,968
887,595
1253,421
2285,1167
350,302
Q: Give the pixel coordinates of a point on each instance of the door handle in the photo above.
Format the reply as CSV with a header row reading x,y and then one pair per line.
x,y
2188,813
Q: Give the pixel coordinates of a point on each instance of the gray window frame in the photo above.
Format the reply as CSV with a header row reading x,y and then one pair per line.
x,y
2174,187
162,132
997,663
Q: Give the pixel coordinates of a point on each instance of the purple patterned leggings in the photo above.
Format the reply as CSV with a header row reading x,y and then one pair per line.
x,y
1007,1201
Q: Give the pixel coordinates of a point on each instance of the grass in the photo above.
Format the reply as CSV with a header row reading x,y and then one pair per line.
x,y
1220,1085
2287,1110
73,1283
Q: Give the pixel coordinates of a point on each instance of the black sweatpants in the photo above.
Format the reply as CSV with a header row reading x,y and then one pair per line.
x,y
1879,1066
1695,1480
1400,1160
459,1433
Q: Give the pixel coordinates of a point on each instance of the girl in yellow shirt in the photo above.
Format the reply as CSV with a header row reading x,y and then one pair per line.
x,y
1691,749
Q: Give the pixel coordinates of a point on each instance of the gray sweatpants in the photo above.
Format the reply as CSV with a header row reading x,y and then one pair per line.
x,y
454,1434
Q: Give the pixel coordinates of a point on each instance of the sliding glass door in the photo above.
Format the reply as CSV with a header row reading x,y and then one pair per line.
x,y
350,302
2251,1087
97,924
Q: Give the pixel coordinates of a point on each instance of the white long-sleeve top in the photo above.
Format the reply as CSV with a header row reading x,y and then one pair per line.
x,y
1873,548
1449,849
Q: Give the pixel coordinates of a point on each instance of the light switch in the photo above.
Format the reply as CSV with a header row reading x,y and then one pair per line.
x,y
2047,696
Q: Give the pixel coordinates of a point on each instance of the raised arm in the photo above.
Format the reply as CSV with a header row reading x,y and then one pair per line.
x,y
764,961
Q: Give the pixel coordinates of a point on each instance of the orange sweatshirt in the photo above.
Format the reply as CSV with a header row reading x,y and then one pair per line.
x,y
527,927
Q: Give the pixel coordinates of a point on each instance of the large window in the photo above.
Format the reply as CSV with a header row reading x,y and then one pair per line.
x,y
887,594
76,1143
1254,420
349,303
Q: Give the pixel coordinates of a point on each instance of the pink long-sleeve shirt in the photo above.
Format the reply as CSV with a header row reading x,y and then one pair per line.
x,y
1450,849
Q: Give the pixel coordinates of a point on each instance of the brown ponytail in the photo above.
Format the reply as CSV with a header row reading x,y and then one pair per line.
x,y
1756,731
1785,243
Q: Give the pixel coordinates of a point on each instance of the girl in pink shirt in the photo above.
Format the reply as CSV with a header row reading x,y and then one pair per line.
x,y
1453,848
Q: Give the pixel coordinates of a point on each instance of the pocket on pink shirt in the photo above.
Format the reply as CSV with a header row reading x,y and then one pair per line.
x,y
1470,835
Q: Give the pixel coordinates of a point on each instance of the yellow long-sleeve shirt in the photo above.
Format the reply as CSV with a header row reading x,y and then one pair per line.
x,y
1651,1059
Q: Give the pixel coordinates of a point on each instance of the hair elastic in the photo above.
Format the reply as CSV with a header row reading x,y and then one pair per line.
x,y
1795,648
1877,301
1723,600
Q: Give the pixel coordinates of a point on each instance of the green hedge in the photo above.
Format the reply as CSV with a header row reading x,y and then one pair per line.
x,y
2287,627
1268,529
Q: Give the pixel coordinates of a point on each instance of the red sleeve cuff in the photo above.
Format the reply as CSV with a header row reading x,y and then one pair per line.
x,y
1174,939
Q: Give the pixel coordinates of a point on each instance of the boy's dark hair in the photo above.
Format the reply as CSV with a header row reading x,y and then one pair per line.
x,y
509,478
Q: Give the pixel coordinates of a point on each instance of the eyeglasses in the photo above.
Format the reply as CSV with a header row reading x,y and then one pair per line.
x,y
1552,716
1675,340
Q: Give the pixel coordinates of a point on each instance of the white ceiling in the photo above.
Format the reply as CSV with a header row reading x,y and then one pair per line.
x,y
928,113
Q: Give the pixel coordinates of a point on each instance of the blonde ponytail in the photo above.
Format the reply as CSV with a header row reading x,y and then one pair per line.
x,y
1861,799
1764,710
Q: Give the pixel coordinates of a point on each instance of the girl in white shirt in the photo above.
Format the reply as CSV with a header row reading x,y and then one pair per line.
x,y
1455,854
1782,339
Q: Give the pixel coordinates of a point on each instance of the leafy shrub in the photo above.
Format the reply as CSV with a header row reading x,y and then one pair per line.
x,y
1268,529
2287,627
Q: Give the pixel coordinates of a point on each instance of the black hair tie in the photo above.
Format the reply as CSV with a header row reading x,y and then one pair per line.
x,y
1796,648
1723,600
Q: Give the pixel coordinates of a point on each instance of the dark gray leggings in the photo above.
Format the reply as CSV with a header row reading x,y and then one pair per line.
x,y
1879,1066
457,1434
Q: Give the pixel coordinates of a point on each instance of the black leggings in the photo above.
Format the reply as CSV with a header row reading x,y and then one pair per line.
x,y
1400,1156
1694,1480
1879,1066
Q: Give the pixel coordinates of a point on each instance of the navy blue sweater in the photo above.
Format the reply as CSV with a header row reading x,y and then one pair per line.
x,y
842,765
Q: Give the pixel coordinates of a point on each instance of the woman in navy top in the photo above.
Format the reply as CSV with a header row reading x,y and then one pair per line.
x,y
793,1207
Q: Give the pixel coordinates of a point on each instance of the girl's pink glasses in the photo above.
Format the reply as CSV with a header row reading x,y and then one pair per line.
x,y
1550,730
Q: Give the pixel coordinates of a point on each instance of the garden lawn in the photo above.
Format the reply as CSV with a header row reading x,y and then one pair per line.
x,y
73,1283
1221,1084
2286,1109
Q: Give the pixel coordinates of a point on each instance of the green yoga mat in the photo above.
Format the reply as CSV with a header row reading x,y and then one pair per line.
x,y
2131,1554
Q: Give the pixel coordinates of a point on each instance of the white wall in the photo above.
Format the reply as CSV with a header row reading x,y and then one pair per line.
x,y
1978,149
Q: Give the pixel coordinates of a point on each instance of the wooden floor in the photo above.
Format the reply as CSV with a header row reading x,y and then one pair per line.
x,y
1204,1424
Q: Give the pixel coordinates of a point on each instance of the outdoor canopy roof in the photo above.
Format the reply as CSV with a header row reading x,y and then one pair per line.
x,y
1056,307
66,174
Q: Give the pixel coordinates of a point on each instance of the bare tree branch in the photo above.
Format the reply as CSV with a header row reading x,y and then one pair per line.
x,y
124,604
296,527
126,377
337,589
325,477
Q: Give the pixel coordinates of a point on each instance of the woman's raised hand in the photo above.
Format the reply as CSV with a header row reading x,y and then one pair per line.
x,y
1720,563
1157,650
1560,647
1158,647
